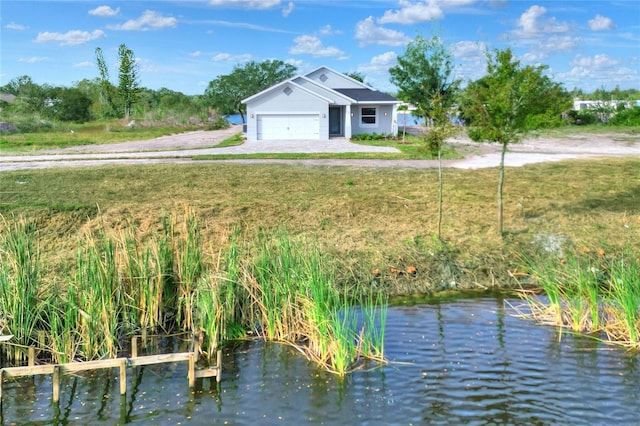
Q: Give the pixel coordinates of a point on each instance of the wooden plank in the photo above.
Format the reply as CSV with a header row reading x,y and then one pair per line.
x,y
159,359
73,367
28,371
207,372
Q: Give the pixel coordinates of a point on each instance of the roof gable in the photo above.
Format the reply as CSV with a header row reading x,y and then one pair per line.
x,y
323,90
330,86
333,79
283,86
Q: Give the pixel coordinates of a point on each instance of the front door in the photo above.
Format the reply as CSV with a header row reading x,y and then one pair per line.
x,y
335,121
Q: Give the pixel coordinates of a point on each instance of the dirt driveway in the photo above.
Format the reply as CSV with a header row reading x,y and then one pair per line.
x,y
180,148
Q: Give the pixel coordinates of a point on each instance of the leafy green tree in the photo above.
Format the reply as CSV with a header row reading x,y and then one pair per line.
x,y
358,76
128,83
508,101
71,104
107,90
31,98
424,72
226,92
125,95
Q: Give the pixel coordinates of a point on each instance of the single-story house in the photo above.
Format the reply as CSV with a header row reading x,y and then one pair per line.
x,y
319,105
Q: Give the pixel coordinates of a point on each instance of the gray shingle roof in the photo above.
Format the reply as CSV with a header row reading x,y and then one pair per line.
x,y
366,95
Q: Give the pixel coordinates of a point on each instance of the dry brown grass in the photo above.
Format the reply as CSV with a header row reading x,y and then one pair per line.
x,y
368,218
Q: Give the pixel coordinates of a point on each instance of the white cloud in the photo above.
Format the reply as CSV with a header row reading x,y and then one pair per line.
x,y
70,38
14,26
228,57
328,30
286,11
312,45
84,64
597,62
195,54
33,59
533,57
379,64
146,65
471,60
249,4
466,50
593,72
298,63
531,24
104,11
248,26
367,32
601,23
413,13
559,44
149,20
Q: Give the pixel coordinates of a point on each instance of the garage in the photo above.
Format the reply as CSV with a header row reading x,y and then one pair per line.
x,y
287,127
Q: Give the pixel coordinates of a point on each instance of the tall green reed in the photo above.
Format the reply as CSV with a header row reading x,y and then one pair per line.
x,y
292,286
624,295
21,291
589,292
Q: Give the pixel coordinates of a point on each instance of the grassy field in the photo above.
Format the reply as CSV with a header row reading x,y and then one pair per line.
x,y
63,135
375,222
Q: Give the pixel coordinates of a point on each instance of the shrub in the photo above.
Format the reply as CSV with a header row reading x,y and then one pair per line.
x,y
583,117
627,117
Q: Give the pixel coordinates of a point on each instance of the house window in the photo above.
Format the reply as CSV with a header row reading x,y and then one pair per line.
x,y
368,116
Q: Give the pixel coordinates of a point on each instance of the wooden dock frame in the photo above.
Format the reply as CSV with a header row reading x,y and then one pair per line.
x,y
57,370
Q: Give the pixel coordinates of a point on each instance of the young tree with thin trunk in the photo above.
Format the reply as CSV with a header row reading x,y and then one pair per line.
x,y
107,91
128,84
510,100
424,77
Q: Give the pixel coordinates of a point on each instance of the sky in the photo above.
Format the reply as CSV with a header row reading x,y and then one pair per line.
x,y
182,45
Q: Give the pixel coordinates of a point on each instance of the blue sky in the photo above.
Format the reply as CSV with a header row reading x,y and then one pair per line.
x,y
183,45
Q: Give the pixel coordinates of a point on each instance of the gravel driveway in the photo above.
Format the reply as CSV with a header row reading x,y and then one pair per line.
x,y
180,148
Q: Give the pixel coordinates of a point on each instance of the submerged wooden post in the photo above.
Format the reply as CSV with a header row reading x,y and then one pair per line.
x,y
134,346
192,371
219,365
56,384
1,380
32,356
123,377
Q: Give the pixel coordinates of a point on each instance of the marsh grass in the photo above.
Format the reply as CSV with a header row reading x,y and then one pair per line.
x,y
21,293
292,287
280,289
589,293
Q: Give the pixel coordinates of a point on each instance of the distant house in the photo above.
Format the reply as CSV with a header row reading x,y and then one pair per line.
x,y
582,104
319,105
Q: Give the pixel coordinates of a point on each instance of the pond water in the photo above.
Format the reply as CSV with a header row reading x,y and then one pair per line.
x,y
462,362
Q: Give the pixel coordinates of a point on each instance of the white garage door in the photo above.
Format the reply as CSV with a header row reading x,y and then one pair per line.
x,y
304,126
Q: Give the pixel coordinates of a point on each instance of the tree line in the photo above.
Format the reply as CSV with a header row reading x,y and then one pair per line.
x,y
418,82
